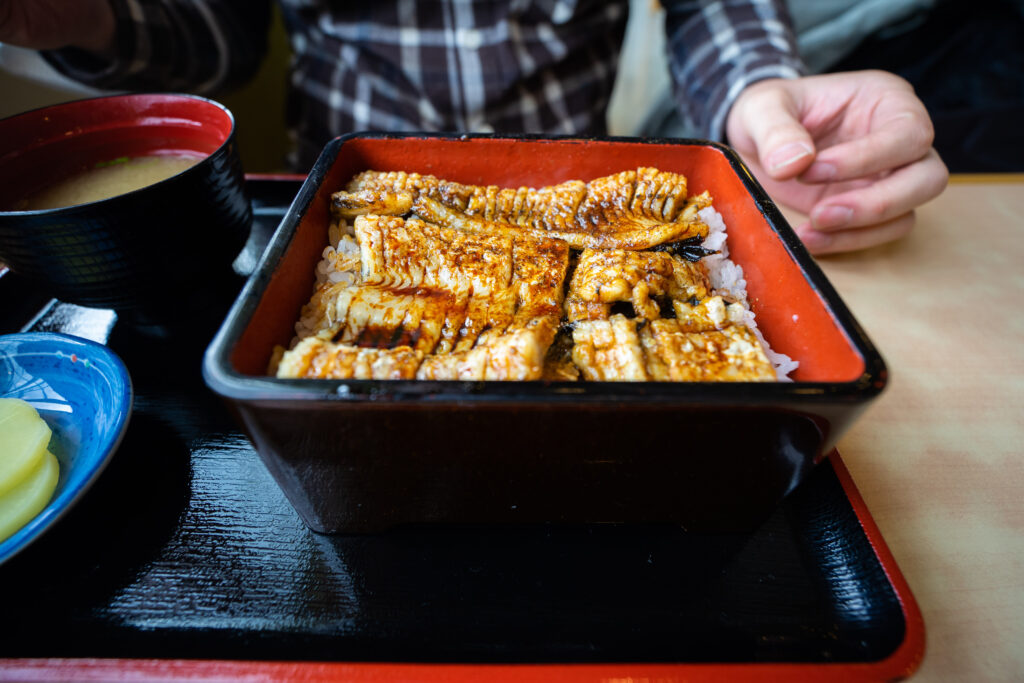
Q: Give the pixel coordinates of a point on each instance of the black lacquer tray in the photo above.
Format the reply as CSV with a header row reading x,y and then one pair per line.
x,y
186,552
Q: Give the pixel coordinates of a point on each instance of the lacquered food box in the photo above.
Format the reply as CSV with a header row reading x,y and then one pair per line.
x,y
364,455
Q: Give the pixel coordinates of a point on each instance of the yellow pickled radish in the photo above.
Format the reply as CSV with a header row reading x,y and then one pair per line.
x,y
24,437
19,505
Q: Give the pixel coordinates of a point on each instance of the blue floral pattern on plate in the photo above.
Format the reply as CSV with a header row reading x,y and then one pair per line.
x,y
84,392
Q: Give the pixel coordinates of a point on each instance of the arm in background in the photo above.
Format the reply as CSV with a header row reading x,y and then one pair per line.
x,y
157,45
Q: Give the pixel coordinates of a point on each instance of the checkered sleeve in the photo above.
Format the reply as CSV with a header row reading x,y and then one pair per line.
x,y
175,45
719,47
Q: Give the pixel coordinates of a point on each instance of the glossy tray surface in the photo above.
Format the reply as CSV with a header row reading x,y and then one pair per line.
x,y
187,549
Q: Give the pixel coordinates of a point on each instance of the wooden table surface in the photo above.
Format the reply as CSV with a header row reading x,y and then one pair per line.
x,y
939,458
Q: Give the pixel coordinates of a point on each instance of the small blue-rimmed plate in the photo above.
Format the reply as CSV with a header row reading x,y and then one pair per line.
x,y
84,393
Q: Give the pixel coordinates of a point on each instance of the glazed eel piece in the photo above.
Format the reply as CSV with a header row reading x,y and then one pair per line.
x,y
621,348
635,209
430,302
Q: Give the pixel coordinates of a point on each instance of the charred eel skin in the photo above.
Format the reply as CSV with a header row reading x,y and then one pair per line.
x,y
635,209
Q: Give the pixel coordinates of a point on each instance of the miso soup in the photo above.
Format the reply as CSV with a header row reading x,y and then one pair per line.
x,y
109,180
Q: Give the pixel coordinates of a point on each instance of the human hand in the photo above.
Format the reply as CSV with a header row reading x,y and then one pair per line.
x,y
52,24
851,150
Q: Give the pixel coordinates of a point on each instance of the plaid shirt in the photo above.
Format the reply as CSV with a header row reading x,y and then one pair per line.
x,y
508,66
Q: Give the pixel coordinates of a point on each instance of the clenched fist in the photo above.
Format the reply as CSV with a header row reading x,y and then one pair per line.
x,y
852,150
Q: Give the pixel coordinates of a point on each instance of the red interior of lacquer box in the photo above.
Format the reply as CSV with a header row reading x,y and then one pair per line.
x,y
791,313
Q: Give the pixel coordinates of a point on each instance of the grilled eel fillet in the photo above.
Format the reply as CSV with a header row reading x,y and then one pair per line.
x,y
435,303
621,348
604,277
706,339
630,210
446,281
314,357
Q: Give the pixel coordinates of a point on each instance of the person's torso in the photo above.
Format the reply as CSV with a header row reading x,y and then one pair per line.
x,y
533,66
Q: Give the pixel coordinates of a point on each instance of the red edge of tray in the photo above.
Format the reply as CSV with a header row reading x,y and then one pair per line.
x,y
903,662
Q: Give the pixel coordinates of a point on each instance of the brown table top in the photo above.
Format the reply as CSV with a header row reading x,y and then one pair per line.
x,y
939,458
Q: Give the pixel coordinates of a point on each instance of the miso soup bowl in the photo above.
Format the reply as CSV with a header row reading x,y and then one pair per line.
x,y
364,455
152,253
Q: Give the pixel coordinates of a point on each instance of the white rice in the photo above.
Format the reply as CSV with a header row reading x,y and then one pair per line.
x,y
339,264
727,280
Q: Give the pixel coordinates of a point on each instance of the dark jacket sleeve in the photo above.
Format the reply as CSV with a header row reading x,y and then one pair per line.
x,y
201,46
716,48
